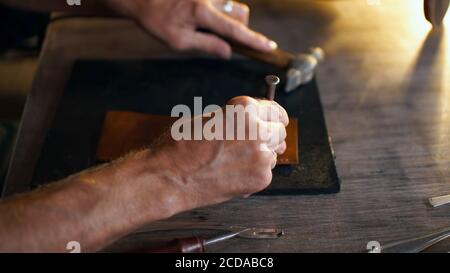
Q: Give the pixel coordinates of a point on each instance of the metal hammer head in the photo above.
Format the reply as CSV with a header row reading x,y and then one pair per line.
x,y
302,68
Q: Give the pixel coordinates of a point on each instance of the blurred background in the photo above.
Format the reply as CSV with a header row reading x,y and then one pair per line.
x,y
21,36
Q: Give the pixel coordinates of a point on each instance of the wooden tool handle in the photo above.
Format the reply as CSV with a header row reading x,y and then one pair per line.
x,y
277,57
183,245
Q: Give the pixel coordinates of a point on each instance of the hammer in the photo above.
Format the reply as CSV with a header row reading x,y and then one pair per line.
x,y
300,68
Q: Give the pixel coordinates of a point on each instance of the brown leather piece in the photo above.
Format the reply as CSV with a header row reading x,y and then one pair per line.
x,y
124,132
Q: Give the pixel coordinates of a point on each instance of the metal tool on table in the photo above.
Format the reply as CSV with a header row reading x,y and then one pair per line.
x,y
414,245
196,244
439,201
435,11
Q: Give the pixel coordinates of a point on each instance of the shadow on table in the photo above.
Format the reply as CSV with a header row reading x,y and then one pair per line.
x,y
426,92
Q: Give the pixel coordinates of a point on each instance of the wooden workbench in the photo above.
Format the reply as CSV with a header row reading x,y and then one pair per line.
x,y
386,96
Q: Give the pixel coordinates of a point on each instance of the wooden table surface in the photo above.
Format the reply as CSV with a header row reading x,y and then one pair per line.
x,y
386,93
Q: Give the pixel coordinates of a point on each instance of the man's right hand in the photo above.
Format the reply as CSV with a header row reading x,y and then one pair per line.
x,y
145,186
209,172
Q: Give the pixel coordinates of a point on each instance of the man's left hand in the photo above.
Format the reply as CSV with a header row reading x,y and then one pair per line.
x,y
176,22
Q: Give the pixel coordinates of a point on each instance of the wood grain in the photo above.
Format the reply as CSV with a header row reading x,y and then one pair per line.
x,y
386,95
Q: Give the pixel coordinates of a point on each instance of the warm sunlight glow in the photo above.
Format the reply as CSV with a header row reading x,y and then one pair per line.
x,y
444,118
418,24
421,42
447,20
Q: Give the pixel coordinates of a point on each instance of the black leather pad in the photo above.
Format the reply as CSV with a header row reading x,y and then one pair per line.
x,y
154,87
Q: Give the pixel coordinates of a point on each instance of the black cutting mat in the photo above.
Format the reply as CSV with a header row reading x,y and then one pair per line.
x,y
7,133
154,87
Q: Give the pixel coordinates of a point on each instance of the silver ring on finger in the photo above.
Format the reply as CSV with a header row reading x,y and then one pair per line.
x,y
228,6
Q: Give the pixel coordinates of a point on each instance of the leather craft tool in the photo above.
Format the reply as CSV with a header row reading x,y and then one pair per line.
x,y
271,86
439,201
194,244
413,245
197,244
435,11
249,233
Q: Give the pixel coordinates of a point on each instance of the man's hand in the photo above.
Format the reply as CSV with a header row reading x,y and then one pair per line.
x,y
209,172
100,205
176,22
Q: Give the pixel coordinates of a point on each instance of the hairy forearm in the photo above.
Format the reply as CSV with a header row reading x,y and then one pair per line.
x,y
87,6
93,208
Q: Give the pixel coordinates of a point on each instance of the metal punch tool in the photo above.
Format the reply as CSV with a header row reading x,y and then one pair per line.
x,y
414,245
198,244
439,201
243,232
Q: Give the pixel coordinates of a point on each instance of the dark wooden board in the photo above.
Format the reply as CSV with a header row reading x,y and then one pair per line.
x,y
155,87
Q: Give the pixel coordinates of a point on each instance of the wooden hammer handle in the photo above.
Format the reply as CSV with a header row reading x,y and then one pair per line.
x,y
182,245
277,57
